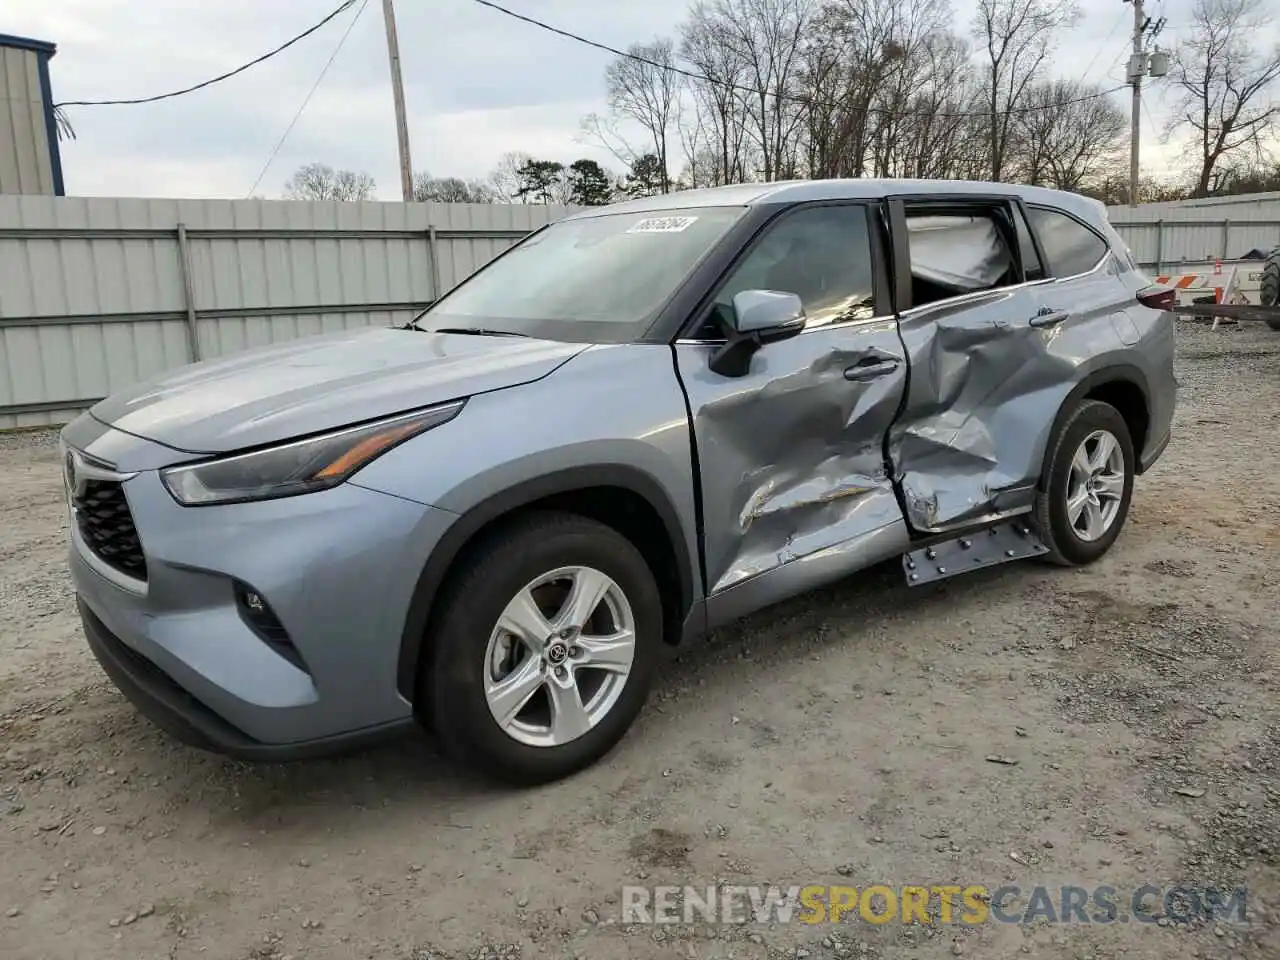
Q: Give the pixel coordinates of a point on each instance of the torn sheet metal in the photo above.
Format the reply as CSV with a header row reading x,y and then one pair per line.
x,y
791,455
989,373
986,386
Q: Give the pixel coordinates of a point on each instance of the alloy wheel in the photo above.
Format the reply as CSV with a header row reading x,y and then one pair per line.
x,y
559,657
1095,486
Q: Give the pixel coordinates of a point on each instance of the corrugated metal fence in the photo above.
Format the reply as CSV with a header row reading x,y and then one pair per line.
x,y
96,294
1164,235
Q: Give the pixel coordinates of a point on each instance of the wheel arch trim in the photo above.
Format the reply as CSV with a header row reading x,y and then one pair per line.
x,y
472,521
1113,373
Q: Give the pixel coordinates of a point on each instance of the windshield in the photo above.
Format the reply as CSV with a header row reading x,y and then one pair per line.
x,y
598,279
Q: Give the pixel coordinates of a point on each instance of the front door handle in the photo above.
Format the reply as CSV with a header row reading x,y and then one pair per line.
x,y
1047,318
870,368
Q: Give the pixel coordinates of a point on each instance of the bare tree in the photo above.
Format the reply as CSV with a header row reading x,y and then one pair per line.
x,y
863,65
700,163
939,135
766,38
318,181
1067,134
1225,86
1246,178
718,97
844,59
505,178
1113,190
644,88
850,88
603,130
452,190
1016,37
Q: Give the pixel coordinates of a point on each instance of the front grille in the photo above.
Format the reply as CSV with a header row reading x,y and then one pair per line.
x,y
106,526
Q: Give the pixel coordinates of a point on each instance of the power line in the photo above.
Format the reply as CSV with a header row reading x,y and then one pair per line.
x,y
1121,60
347,4
310,93
808,101
1146,115
1103,45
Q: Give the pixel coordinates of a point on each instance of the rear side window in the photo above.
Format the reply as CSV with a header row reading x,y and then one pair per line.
x,y
1070,247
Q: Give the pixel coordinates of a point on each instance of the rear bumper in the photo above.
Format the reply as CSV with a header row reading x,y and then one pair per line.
x,y
182,716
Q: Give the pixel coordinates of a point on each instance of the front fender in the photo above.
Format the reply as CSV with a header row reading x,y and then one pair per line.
x,y
613,416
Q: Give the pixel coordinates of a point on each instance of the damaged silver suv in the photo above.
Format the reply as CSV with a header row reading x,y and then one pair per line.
x,y
639,423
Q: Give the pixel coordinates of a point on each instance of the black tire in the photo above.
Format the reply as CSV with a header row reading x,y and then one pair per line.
x,y
451,690
1270,291
1067,547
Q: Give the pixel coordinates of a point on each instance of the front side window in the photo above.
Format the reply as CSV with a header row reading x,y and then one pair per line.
x,y
1070,247
821,254
597,279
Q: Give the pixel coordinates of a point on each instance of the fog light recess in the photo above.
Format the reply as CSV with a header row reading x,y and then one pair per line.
x,y
257,613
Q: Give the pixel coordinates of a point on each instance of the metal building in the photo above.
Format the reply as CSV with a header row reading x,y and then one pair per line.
x,y
29,159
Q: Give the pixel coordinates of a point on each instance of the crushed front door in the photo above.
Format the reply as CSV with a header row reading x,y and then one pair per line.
x,y
791,455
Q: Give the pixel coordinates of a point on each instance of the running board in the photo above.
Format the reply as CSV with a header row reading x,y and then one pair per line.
x,y
1002,543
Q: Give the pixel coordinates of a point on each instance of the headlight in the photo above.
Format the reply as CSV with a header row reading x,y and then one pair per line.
x,y
303,466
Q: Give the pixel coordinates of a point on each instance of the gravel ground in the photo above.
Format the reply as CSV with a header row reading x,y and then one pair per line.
x,y
841,738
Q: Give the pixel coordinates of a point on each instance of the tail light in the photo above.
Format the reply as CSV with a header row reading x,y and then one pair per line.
x,y
1158,297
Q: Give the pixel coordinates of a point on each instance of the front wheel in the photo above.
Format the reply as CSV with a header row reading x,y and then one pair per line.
x,y
1084,499
544,649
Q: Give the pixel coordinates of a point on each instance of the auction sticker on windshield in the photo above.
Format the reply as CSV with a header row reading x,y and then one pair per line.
x,y
662,225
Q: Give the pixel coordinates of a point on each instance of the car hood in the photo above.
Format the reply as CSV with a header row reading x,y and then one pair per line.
x,y
305,386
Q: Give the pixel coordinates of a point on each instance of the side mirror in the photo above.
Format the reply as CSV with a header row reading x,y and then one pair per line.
x,y
759,317
771,314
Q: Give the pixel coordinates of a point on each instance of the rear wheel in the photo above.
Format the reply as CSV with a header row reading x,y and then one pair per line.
x,y
544,649
1084,499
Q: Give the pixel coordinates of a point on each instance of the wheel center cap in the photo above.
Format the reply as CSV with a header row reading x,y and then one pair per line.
x,y
557,653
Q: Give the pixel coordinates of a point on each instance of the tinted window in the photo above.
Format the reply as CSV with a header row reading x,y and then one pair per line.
x,y
1031,266
821,254
1069,245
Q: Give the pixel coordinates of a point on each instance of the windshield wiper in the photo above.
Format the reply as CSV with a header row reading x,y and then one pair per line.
x,y
475,331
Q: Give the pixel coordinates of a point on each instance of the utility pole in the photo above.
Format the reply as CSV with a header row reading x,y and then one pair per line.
x,y
1141,64
1137,69
397,91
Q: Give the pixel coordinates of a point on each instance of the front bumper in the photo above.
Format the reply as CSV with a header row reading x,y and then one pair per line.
x,y
338,569
185,718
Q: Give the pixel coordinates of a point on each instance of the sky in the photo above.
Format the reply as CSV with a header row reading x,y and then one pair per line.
x,y
477,84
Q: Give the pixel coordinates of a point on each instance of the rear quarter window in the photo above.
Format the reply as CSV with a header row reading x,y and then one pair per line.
x,y
1070,247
